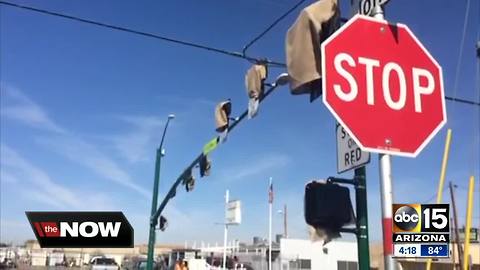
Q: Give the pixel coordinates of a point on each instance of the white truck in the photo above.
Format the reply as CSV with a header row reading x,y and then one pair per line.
x,y
103,263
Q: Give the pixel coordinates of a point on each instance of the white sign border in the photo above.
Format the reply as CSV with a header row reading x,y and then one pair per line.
x,y
337,125
324,94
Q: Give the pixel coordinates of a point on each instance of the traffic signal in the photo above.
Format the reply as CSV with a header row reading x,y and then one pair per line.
x,y
205,166
314,24
254,83
188,180
222,115
327,208
163,223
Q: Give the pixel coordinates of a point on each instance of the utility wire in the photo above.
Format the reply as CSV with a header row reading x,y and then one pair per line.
x,y
146,34
460,53
431,198
462,101
255,39
283,16
177,41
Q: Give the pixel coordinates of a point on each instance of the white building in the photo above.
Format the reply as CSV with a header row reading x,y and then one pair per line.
x,y
305,254
7,253
38,257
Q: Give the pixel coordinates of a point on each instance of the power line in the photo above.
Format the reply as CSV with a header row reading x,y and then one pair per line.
x,y
460,53
434,195
146,34
182,42
283,16
462,100
255,39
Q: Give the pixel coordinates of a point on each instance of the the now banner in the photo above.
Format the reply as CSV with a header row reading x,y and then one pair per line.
x,y
81,229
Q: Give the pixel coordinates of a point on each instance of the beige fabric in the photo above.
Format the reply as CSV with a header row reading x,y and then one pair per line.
x,y
254,80
315,23
222,113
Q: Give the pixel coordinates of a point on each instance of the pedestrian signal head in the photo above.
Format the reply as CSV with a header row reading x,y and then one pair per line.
x,y
327,208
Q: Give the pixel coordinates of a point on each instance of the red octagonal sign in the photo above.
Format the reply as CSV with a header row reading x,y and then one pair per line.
x,y
383,86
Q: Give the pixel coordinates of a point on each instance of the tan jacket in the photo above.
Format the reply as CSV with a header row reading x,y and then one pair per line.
x,y
254,81
222,113
314,24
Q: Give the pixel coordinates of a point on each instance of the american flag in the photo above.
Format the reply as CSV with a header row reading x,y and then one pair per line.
x,y
270,193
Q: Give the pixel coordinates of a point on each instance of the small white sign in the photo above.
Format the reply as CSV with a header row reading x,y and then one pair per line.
x,y
349,154
234,213
367,6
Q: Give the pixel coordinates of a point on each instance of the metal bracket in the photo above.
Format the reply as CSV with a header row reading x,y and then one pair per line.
x,y
353,182
348,230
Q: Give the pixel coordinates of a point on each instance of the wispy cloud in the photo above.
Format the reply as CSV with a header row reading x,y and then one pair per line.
x,y
36,185
87,155
18,106
256,166
21,108
143,132
7,178
46,189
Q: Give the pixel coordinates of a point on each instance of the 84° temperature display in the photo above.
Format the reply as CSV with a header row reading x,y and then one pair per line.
x,y
420,250
434,251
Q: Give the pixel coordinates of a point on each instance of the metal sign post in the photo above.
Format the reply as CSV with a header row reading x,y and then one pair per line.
x,y
362,218
386,191
387,201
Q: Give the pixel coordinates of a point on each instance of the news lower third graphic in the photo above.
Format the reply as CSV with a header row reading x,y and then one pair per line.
x,y
81,229
421,230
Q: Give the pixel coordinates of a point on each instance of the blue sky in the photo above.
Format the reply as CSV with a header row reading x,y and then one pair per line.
x,y
83,108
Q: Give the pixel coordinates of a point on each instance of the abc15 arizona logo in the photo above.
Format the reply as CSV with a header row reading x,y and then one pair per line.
x,y
419,218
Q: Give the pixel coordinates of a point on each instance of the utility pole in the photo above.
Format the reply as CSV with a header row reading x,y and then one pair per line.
x,y
454,259
455,220
270,205
225,232
285,233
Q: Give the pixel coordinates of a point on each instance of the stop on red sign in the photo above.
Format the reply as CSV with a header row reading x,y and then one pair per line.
x,y
383,86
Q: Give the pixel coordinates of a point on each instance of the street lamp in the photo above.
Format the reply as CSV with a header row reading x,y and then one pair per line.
x,y
153,222
282,79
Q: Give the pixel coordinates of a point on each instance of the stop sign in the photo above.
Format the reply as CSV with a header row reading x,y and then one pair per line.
x,y
383,86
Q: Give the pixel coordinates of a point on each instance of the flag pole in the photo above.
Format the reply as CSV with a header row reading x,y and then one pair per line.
x,y
225,232
270,203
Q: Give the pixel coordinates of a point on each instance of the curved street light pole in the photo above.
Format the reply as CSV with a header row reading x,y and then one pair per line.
x,y
282,79
153,222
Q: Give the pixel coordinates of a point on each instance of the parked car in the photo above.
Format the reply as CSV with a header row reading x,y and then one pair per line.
x,y
7,264
140,264
103,263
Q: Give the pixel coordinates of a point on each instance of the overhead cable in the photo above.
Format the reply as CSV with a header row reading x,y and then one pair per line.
x,y
146,34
